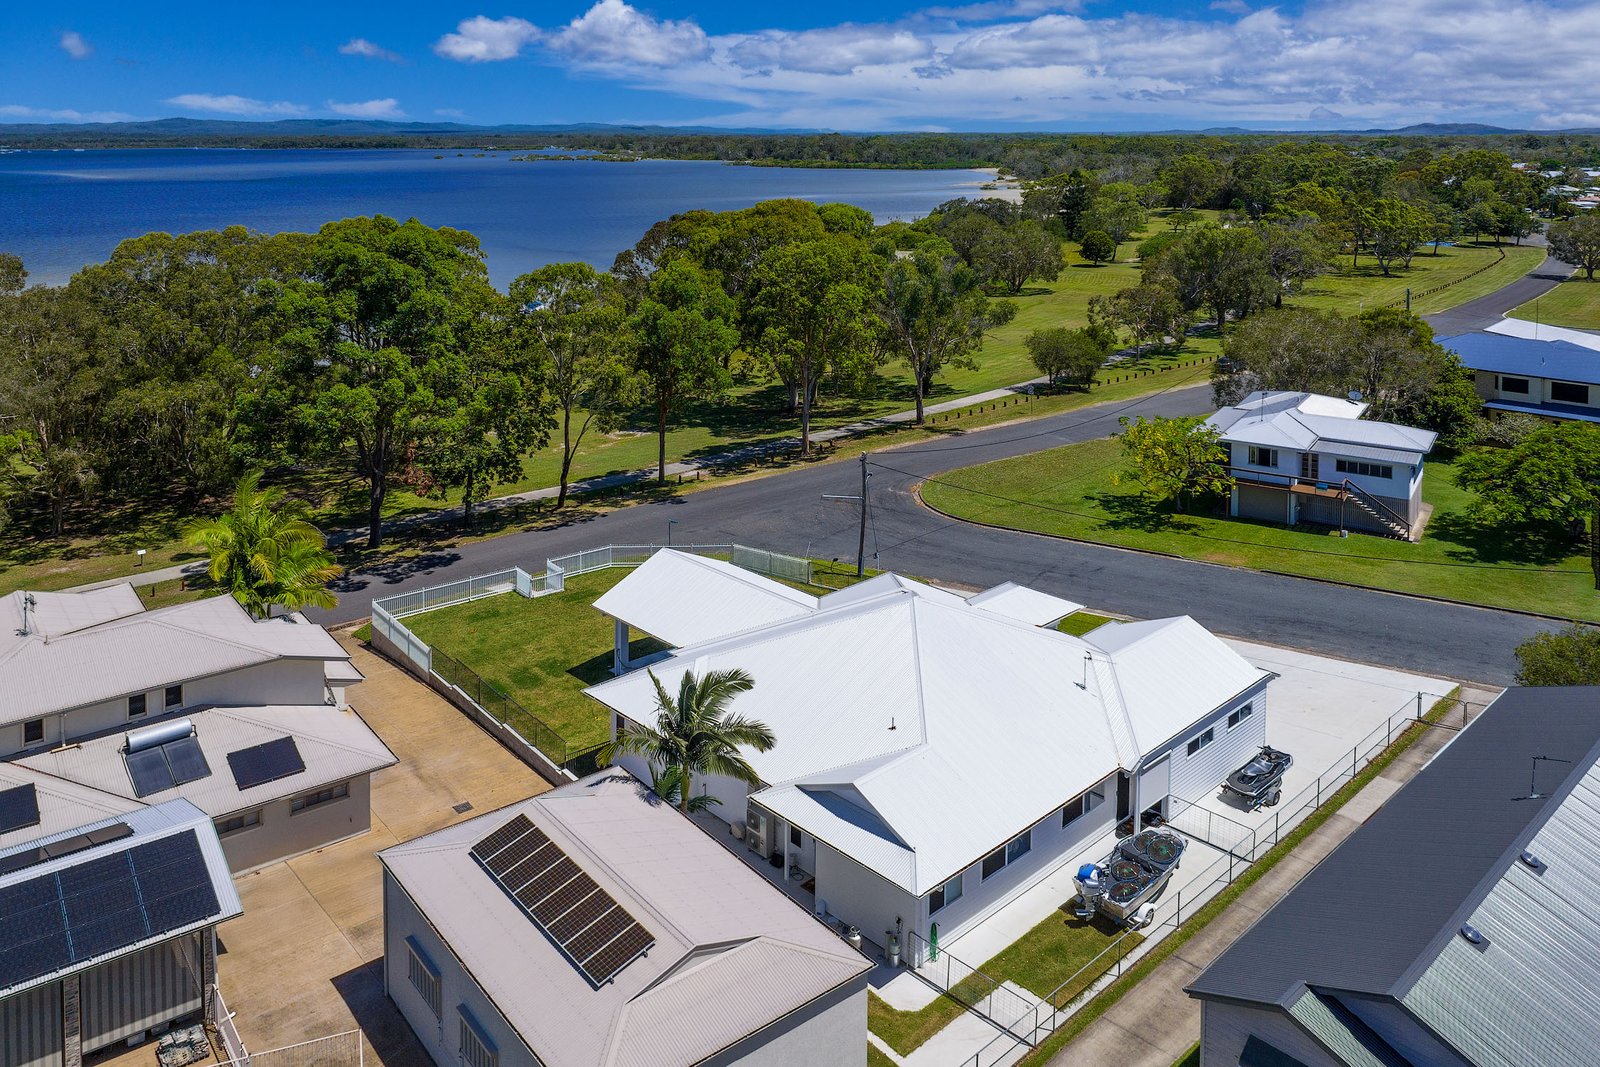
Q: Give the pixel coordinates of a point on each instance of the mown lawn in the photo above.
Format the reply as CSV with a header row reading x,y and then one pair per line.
x,y
1051,953
1080,623
1575,303
1086,492
1350,290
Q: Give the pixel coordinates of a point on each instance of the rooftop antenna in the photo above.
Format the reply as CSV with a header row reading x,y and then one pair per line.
x,y
1084,685
1533,774
28,603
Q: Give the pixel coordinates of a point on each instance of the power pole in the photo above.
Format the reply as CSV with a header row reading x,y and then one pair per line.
x,y
861,545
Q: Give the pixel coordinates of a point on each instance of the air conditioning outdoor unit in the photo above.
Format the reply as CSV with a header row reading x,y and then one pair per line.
x,y
756,828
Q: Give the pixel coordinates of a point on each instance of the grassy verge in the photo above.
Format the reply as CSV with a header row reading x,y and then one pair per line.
x,y
876,1058
1085,492
1190,1058
1056,950
1575,303
1106,998
1081,622
1466,272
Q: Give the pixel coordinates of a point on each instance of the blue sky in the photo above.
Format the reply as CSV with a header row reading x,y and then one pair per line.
x,y
978,64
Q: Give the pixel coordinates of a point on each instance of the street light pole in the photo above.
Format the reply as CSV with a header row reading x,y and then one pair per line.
x,y
861,544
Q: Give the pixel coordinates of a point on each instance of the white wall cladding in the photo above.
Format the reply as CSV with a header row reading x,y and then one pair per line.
x,y
30,1028
135,992
1198,776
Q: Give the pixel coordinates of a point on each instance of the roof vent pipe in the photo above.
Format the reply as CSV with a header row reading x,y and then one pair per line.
x,y
1531,861
1473,934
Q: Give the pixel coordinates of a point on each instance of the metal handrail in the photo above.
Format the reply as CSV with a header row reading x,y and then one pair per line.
x,y
1373,502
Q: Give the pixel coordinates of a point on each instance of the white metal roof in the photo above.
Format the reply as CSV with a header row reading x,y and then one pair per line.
x,y
335,744
902,717
102,649
1307,421
727,598
1536,331
1023,604
732,954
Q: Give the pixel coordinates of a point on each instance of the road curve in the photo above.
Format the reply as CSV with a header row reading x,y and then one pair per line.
x,y
786,512
1485,311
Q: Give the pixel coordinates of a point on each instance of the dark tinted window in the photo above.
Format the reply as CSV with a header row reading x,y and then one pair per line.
x,y
1569,392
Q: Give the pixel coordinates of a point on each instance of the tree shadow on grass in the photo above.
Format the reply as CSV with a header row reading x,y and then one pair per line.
x,y
1135,511
1476,541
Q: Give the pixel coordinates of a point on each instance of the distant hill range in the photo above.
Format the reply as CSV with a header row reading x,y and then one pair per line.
x,y
372,132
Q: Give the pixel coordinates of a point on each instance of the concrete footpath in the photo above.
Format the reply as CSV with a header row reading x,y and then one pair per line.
x,y
1155,1022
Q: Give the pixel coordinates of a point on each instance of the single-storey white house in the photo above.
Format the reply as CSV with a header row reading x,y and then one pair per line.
x,y
1304,457
935,754
595,926
244,718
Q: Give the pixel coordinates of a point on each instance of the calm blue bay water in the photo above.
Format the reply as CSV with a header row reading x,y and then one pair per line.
x,y
61,210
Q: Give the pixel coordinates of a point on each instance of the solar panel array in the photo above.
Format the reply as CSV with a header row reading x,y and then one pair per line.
x,y
19,807
102,905
66,846
165,766
266,762
596,933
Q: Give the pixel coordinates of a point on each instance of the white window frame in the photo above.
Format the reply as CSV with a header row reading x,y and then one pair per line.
x,y
945,890
1199,741
475,1048
1257,452
1085,802
318,797
1240,714
1588,391
166,697
29,726
424,977
1527,386
144,705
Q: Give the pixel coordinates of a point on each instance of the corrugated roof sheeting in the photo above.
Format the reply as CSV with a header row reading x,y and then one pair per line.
x,y
1499,354
1437,842
63,805
679,883
737,985
1023,604
335,744
1384,455
1329,1029
146,651
1307,421
1543,331
727,599
1529,995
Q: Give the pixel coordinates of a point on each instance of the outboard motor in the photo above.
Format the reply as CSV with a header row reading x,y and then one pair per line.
x,y
1091,886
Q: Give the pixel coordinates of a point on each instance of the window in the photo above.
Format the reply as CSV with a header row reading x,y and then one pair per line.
x,y
1371,470
993,862
234,823
945,895
424,977
1263,457
794,836
1196,744
136,705
321,796
1081,805
1309,465
1019,846
476,1048
174,696
1240,714
1569,392
1514,385
33,731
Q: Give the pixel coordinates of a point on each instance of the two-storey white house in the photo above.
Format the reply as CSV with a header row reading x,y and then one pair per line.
x,y
244,718
936,754
1303,457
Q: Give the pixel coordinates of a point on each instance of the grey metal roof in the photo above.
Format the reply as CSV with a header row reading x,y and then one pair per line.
x,y
732,953
1386,901
1308,421
63,805
334,742
76,654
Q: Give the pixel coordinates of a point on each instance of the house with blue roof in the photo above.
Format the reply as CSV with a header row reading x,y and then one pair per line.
x,y
1552,379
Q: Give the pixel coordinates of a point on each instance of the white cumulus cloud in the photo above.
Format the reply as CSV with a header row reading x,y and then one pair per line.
x,y
360,46
230,104
832,50
22,111
387,108
616,32
482,39
73,44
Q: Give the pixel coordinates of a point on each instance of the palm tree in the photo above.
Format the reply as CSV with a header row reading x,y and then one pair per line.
x,y
694,734
265,551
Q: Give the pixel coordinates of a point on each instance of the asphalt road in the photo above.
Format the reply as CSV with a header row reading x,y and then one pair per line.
x,y
786,512
1487,310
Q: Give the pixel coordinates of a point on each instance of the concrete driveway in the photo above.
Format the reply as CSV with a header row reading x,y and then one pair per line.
x,y
305,960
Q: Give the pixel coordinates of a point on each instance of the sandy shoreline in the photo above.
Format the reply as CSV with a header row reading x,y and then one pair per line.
x,y
992,188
